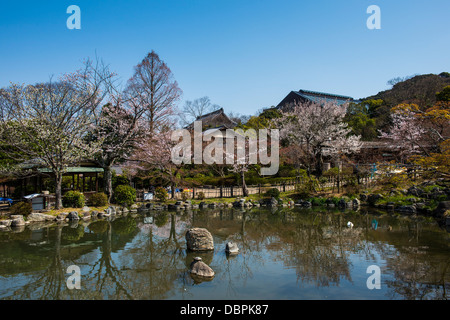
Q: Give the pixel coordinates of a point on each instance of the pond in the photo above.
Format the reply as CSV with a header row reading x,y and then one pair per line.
x,y
284,254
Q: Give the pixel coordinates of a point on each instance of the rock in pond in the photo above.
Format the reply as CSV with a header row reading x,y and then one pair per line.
x,y
17,220
199,239
73,215
40,217
201,269
231,248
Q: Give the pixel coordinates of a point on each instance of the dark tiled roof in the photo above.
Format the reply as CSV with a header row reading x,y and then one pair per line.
x,y
316,97
208,118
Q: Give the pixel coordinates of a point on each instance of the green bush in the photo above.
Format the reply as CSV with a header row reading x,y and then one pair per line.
x,y
73,199
317,201
161,194
200,195
273,192
184,195
22,208
124,195
99,199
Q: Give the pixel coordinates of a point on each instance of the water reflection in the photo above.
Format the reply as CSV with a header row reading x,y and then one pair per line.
x,y
283,254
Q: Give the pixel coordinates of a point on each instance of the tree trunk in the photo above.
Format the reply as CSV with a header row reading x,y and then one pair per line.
x,y
58,191
107,182
319,164
173,187
244,186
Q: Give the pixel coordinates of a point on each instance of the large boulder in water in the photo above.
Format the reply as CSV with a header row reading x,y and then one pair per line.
x,y
201,269
199,239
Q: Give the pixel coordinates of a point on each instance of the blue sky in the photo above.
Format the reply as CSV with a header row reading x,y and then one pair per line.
x,y
245,55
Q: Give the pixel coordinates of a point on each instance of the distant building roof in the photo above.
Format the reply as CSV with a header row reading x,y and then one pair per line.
x,y
314,96
216,119
74,170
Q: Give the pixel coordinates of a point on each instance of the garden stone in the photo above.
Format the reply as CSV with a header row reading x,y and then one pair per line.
x,y
238,204
40,217
199,239
199,268
415,191
442,208
232,248
62,216
407,209
6,223
342,204
73,216
17,220
273,202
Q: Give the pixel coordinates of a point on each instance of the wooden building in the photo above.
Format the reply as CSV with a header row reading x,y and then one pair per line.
x,y
214,120
84,178
313,96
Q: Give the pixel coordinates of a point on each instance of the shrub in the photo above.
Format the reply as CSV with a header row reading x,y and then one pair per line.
x,y
200,195
99,199
161,194
303,191
317,201
124,195
22,208
273,192
184,195
73,199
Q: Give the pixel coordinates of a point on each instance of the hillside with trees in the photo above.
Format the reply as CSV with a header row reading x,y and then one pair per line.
x,y
420,90
374,113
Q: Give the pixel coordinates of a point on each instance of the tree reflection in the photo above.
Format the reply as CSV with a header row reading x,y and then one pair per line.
x,y
138,258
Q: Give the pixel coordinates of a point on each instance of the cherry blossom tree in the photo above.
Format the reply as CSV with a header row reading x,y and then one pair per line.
x,y
47,123
405,133
120,129
318,130
415,131
155,154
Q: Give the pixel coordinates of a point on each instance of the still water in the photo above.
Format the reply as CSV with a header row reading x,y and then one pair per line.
x,y
284,254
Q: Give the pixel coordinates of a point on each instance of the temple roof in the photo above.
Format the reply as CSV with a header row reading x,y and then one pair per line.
x,y
216,119
314,96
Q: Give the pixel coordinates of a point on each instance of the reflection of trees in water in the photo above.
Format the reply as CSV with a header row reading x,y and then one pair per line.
x,y
50,283
419,272
157,258
318,246
416,277
104,275
313,244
